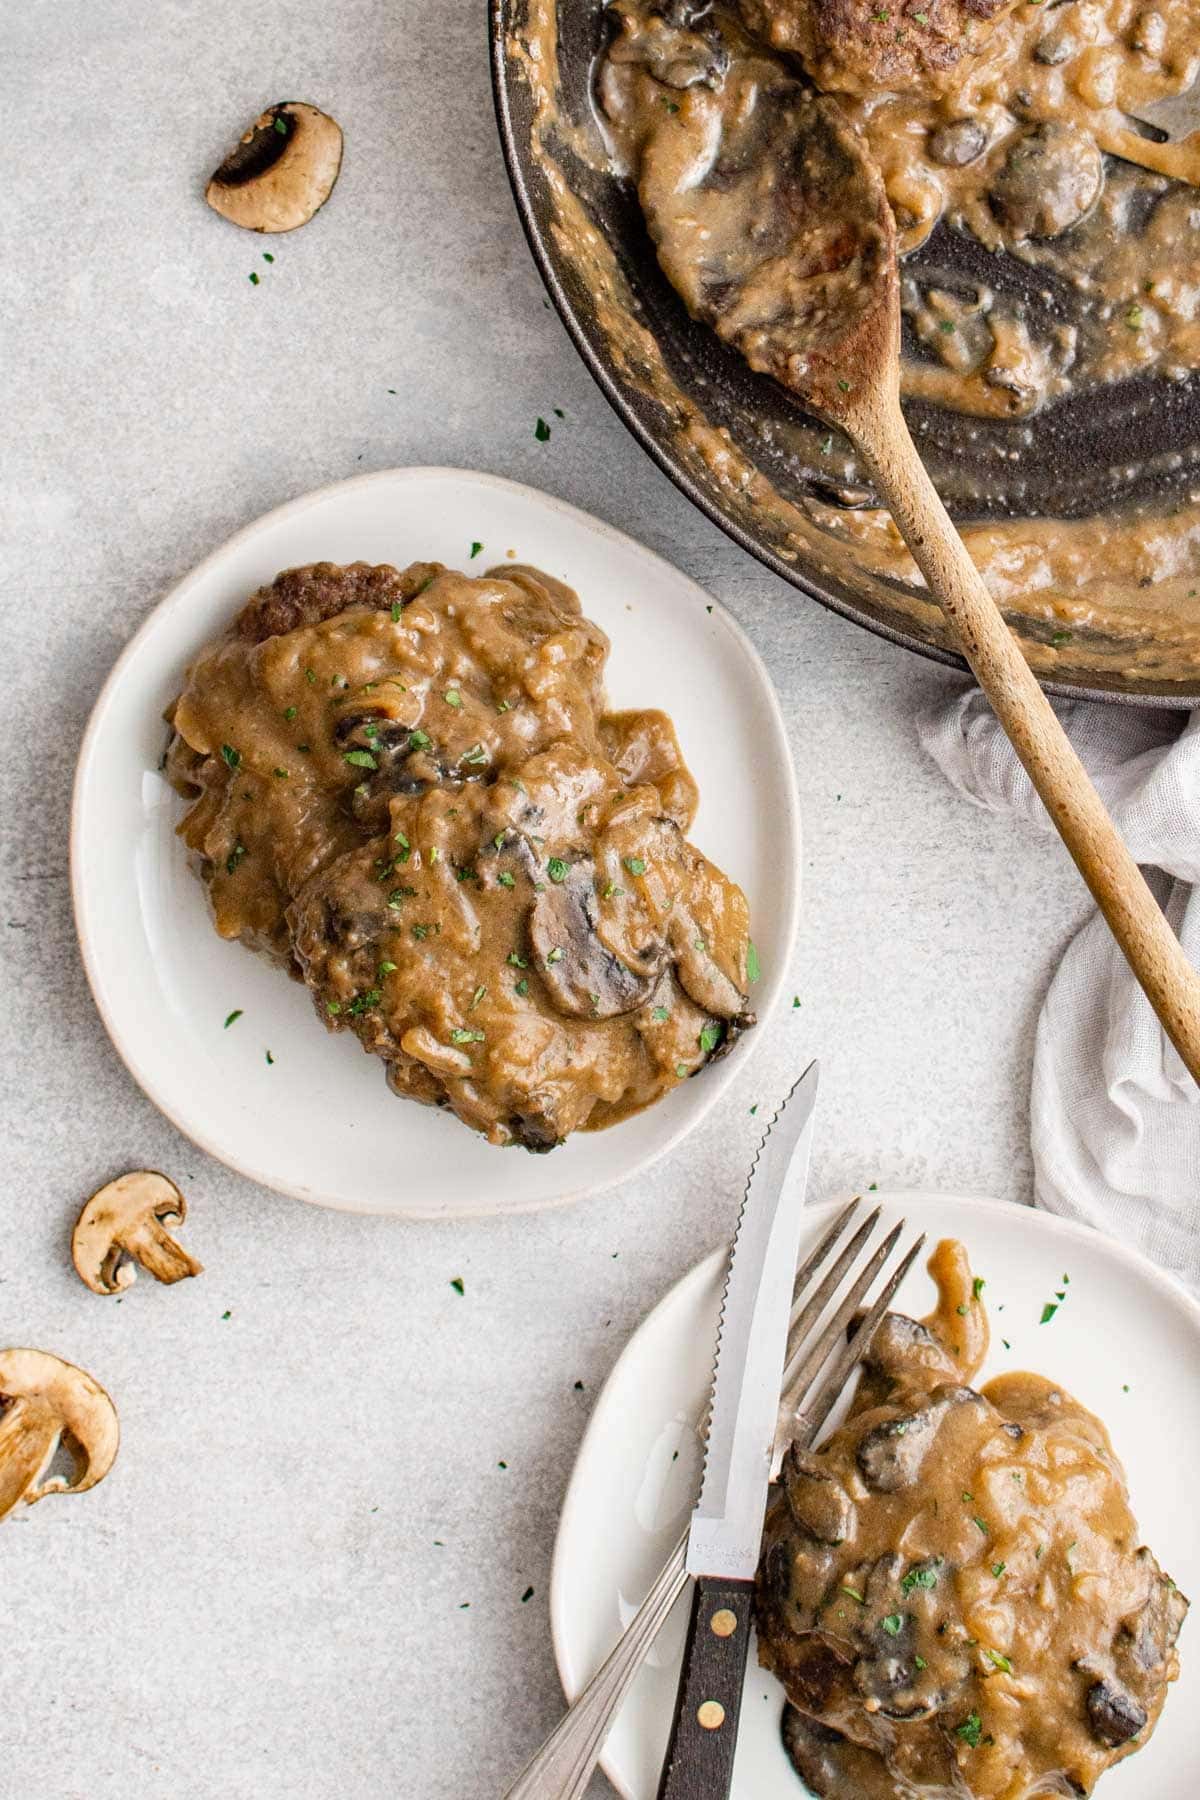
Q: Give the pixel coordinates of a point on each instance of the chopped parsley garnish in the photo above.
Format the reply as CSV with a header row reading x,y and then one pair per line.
x,y
333,1008
310,675
634,864
853,1593
893,1624
518,962
399,895
998,1569
612,891
527,1595
1048,1312
681,1069
475,756
710,1037
557,869
976,1520
280,124
541,431
970,1731
920,1578
452,697
231,756
254,278
420,932
920,1662
457,1284
233,1018
460,1035
280,774
753,971
418,740
475,549
977,1286
476,997
364,1002
387,968
289,712
234,858
397,608
522,987
555,955
660,1014
998,1661
270,1060
361,759
506,878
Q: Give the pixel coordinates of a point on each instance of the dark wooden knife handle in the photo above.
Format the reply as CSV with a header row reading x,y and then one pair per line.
x,y
700,1751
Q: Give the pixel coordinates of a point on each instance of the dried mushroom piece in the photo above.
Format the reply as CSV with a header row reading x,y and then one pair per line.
x,y
47,1405
125,1223
282,171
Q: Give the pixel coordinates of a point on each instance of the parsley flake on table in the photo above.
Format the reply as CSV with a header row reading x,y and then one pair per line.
x,y
475,549
270,1060
457,1284
527,1595
541,431
233,1017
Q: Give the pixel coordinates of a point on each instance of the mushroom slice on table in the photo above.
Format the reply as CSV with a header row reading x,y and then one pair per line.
x,y
125,1222
47,1404
281,172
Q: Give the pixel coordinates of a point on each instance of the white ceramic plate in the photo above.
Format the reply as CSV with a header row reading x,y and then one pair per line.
x,y
1124,1326
319,1122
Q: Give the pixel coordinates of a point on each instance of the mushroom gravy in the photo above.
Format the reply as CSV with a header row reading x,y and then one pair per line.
x,y
406,789
1006,144
1086,527
952,1590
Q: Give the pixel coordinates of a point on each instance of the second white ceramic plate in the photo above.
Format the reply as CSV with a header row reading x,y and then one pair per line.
x,y
1126,1342
318,1120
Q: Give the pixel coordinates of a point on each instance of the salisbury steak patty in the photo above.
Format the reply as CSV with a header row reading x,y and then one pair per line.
x,y
863,47
405,788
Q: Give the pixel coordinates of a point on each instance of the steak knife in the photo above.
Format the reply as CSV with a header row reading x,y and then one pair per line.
x,y
726,1526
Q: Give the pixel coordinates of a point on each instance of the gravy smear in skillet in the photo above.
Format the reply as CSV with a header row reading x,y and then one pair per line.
x,y
952,1590
994,118
406,789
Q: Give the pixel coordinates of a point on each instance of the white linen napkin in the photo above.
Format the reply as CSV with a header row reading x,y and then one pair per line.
x,y
1114,1115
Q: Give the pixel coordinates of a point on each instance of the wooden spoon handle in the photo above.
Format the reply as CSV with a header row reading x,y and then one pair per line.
x,y
1151,948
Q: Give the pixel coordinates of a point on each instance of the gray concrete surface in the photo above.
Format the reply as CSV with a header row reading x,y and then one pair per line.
x,y
253,1604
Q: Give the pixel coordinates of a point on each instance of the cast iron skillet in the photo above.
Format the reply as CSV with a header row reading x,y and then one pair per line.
x,y
1079,458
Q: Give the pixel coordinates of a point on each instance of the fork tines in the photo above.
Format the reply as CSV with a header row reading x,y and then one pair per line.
x,y
812,1382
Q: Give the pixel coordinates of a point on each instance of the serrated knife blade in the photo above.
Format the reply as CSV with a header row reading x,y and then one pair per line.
x,y
726,1526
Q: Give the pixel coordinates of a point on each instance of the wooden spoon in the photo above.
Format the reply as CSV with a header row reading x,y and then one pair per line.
x,y
792,259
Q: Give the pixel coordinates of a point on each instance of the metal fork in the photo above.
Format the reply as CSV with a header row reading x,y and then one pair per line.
x,y
816,1371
